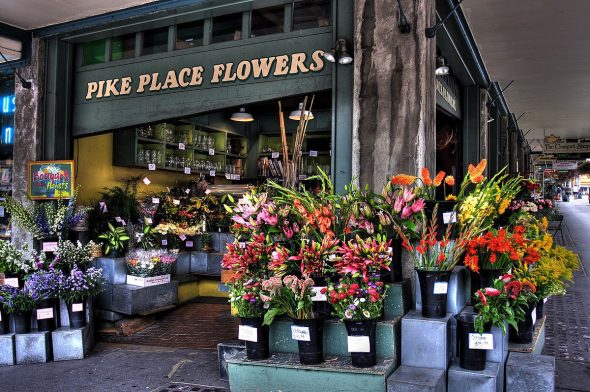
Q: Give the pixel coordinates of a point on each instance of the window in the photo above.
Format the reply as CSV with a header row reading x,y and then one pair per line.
x,y
267,21
123,47
227,28
308,14
155,41
189,35
93,52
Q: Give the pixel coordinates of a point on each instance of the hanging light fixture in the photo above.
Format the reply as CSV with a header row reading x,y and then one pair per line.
x,y
242,116
296,114
442,68
339,53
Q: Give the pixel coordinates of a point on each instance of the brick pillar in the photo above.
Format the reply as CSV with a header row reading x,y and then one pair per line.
x,y
28,119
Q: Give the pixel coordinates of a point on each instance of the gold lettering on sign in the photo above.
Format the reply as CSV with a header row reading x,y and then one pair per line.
x,y
263,67
444,93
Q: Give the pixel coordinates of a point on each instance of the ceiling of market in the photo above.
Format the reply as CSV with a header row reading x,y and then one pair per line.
x,y
544,46
33,14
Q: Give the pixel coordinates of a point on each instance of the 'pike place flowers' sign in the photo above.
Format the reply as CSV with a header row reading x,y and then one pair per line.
x,y
258,68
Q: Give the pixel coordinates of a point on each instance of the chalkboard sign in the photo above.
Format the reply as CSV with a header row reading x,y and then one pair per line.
x,y
48,180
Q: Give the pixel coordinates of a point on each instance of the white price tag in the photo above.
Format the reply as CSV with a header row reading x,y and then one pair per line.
x,y
248,333
187,170
228,176
49,246
176,202
155,200
12,282
181,146
274,154
147,180
481,342
189,244
148,221
44,314
164,242
182,237
449,217
151,166
313,153
302,177
359,344
211,151
212,173
300,333
317,294
440,287
78,307
187,191
242,245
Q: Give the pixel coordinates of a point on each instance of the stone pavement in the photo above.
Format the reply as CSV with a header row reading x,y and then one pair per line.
x,y
568,316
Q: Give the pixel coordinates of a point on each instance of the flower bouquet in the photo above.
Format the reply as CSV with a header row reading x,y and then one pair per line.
x,y
46,285
293,296
69,255
149,263
19,302
75,288
504,303
16,263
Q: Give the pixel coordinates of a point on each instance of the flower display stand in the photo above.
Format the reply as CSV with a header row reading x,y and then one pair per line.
x,y
113,270
536,346
530,372
34,347
7,350
281,369
71,343
182,266
220,240
206,263
336,372
488,380
227,351
414,379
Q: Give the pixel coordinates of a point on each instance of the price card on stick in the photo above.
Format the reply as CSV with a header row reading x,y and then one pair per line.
x,y
212,173
274,154
440,287
248,333
189,244
176,202
359,344
481,342
151,166
211,151
155,200
164,242
187,170
182,237
147,180
300,333
449,217
313,153
181,146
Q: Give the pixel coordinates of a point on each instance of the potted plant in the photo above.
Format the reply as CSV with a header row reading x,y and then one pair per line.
x,y
19,302
502,304
443,211
46,285
248,262
293,296
69,255
434,261
488,256
115,239
75,288
357,298
15,263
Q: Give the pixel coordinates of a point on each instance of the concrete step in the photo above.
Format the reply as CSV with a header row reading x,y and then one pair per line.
x,y
72,343
283,372
335,338
417,379
398,300
130,300
34,347
7,350
491,379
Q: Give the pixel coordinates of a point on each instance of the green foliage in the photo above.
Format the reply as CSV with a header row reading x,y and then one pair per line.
x,y
114,238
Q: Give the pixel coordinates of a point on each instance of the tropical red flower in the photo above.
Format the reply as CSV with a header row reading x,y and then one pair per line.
x,y
450,180
482,297
513,289
439,178
426,176
476,172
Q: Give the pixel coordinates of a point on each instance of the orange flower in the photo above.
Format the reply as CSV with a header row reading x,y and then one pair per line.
x,y
402,179
426,176
450,180
451,198
476,172
439,178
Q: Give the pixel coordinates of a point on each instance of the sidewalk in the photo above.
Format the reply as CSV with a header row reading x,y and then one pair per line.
x,y
568,316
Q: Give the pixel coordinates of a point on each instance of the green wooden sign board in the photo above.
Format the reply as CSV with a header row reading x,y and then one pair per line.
x,y
47,180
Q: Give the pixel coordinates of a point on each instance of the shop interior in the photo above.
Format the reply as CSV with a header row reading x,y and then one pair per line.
x,y
238,145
